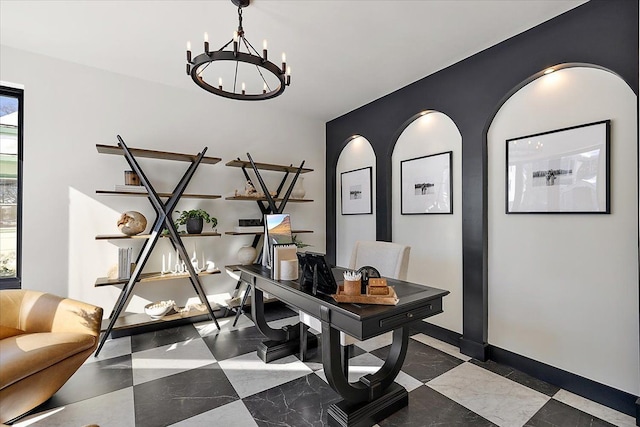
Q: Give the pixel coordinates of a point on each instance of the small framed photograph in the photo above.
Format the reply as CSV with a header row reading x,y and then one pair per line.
x,y
356,191
425,184
560,171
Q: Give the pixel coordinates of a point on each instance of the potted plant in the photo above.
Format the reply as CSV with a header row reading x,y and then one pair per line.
x,y
194,220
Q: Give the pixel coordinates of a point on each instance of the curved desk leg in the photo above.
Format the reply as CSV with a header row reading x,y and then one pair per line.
x,y
281,342
375,396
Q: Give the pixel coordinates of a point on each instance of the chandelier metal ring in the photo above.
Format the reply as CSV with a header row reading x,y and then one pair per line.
x,y
197,65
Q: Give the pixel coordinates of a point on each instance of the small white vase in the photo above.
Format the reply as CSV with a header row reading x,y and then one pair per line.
x,y
247,254
298,191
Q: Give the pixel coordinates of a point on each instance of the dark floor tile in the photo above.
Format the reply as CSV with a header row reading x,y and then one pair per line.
x,y
518,376
422,362
163,337
427,407
557,414
91,380
301,402
177,397
234,343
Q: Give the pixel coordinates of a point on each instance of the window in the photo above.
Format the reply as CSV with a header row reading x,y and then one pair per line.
x,y
11,109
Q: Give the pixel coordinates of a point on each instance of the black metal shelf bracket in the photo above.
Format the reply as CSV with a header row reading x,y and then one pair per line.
x,y
163,220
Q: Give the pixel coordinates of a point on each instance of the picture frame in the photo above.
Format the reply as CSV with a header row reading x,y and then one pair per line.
x,y
426,185
355,186
560,171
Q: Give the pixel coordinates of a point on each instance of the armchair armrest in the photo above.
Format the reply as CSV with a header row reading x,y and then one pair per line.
x,y
42,312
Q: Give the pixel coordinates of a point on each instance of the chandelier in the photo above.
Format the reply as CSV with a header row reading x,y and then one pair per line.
x,y
268,80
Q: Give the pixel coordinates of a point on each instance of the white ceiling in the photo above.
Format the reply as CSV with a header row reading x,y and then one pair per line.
x,y
343,53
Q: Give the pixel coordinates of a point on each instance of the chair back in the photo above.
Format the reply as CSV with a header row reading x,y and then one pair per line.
x,y
390,259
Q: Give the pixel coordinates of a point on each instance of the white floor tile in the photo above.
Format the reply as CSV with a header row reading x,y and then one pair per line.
x,y
113,409
234,414
367,363
441,345
170,359
376,342
208,328
500,400
250,375
597,410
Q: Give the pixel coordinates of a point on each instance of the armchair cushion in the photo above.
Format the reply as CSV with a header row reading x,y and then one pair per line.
x,y
7,331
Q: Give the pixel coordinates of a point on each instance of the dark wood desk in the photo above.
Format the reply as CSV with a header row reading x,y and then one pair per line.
x,y
375,396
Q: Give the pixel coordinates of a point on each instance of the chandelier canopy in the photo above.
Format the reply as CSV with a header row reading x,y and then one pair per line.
x,y
267,80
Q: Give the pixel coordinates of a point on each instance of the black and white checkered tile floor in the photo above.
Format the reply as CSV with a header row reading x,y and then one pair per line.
x,y
196,376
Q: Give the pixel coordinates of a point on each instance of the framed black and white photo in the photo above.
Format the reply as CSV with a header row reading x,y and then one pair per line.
x,y
560,171
356,191
425,184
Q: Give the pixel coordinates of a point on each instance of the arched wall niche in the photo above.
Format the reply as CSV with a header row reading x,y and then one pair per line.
x,y
356,154
435,239
563,288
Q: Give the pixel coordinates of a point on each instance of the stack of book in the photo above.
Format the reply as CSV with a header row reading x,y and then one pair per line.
x,y
124,263
131,188
249,226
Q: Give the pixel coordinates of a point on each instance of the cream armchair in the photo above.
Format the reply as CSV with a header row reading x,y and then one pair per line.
x,y
44,339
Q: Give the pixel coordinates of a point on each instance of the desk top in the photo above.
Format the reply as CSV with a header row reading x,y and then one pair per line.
x,y
359,320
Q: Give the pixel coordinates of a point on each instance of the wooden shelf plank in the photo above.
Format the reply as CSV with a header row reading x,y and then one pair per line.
x,y
136,320
146,236
145,194
149,277
235,233
264,199
153,154
267,166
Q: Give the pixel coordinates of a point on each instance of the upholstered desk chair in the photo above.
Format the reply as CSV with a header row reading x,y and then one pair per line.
x,y
390,259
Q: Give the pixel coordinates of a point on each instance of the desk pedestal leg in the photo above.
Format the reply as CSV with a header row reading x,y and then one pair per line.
x,y
374,397
281,342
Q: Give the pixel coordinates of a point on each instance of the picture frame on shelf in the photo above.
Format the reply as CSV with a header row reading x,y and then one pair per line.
x,y
355,191
426,185
560,171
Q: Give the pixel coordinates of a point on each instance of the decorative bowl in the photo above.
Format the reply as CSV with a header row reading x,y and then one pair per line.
x,y
157,310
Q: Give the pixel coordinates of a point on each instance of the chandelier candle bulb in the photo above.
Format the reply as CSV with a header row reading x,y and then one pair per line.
x,y
288,76
206,43
264,88
284,63
189,52
243,88
264,50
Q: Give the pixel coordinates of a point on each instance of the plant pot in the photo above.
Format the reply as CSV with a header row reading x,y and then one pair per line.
x,y
194,225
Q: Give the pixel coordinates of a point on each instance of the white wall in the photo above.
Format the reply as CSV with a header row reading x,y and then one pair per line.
x,y
435,240
563,289
69,108
357,154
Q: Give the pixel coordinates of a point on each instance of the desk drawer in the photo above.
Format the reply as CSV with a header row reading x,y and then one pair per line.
x,y
433,307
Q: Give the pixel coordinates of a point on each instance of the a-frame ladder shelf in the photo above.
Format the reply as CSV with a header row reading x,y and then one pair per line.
x,y
153,154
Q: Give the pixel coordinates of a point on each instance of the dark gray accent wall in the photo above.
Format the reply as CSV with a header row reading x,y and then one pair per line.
x,y
603,33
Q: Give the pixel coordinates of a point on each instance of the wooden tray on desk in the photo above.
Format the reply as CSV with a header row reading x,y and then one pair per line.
x,y
390,299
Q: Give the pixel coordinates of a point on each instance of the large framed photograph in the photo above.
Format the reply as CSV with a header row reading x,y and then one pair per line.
x,y
356,191
425,184
560,171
